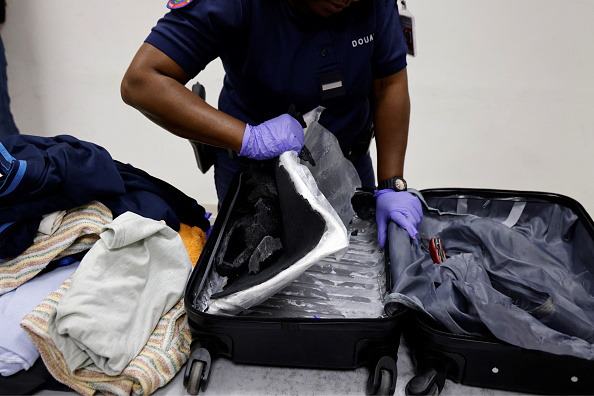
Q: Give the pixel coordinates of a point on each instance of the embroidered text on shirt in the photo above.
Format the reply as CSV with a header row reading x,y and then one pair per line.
x,y
363,40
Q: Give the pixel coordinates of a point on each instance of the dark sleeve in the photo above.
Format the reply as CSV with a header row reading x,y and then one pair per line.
x,y
194,35
390,50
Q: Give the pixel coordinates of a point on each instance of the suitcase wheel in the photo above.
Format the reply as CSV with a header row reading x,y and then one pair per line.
x,y
197,371
382,379
428,381
432,391
195,380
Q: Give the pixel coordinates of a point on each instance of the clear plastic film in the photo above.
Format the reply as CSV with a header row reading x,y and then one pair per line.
x,y
333,241
336,177
352,287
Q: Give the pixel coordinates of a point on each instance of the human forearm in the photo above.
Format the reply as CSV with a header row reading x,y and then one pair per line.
x,y
391,122
154,85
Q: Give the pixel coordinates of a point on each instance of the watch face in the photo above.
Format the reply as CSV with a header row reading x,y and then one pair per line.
x,y
400,185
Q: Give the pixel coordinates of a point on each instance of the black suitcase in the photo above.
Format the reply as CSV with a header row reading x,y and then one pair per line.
x,y
484,360
278,340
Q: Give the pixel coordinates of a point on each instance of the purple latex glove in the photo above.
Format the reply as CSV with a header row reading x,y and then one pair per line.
x,y
272,138
401,207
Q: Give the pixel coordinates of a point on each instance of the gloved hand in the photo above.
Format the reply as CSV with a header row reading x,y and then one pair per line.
x,y
272,138
401,207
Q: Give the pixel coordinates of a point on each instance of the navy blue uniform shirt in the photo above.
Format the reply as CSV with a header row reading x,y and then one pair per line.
x,y
273,56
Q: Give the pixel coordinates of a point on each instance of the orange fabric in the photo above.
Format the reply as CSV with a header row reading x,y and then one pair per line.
x,y
194,239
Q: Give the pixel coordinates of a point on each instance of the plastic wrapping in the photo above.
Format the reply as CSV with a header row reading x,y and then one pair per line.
x,y
352,287
334,240
336,177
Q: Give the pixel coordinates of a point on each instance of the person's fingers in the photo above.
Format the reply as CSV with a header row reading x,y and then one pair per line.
x,y
293,133
417,215
405,223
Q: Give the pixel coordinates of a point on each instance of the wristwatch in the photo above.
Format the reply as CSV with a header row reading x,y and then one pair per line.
x,y
396,183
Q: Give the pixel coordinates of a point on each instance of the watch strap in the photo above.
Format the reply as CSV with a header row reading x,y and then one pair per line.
x,y
396,183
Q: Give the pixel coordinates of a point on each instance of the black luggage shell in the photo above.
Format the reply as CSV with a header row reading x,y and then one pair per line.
x,y
325,343
486,362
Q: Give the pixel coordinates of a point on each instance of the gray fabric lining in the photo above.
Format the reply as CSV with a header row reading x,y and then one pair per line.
x,y
517,270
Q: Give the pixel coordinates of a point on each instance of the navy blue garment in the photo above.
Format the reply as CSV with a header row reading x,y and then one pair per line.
x,y
44,174
17,236
41,175
274,57
7,125
156,199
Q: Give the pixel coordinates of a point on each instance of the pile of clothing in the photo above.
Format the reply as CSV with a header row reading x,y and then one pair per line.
x,y
94,258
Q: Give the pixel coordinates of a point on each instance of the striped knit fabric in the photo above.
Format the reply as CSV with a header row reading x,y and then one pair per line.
x,y
166,351
78,231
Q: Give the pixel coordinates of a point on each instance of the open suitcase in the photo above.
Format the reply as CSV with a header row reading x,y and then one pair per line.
x,y
295,328
564,233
